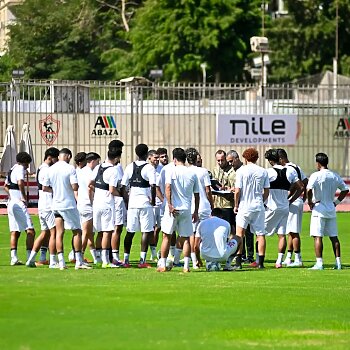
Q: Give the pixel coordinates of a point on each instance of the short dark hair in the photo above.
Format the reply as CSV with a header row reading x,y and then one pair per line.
x,y
23,157
191,155
162,150
92,156
272,154
217,212
220,151
51,152
179,154
114,154
80,157
322,158
115,144
141,150
282,153
151,152
66,151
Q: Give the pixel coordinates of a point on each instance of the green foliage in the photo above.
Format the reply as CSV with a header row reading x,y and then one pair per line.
x,y
178,36
303,43
6,67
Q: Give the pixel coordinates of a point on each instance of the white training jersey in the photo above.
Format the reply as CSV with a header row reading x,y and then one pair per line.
x,y
60,177
159,168
278,198
17,173
84,178
165,169
203,181
184,183
45,198
324,184
213,232
104,199
158,201
140,197
251,179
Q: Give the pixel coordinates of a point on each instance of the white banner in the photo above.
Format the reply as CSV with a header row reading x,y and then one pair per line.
x,y
256,129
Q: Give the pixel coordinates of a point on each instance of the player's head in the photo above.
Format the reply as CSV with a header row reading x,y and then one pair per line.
x,y
199,161
51,155
179,155
272,155
282,154
92,159
322,160
114,156
251,155
115,145
220,156
191,155
232,158
153,157
65,155
80,159
23,158
217,212
163,155
141,151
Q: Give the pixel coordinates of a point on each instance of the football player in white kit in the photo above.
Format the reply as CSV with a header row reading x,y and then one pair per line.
x,y
213,240
295,216
62,181
251,191
205,198
46,215
321,190
84,203
19,218
285,188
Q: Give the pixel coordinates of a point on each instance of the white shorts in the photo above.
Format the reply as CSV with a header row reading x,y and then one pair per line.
x,y
103,220
120,211
19,218
85,215
255,219
320,227
230,249
182,223
295,216
140,219
201,216
46,219
70,218
157,217
276,221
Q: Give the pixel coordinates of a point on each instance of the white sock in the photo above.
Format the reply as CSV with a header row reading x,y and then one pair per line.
x,y
53,259
338,261
78,258
177,255
28,253
14,254
32,256
257,258
153,252
61,259
194,259
186,262
319,261
126,258
143,257
172,250
94,255
98,253
115,254
297,257
43,251
289,255
104,256
162,262
279,258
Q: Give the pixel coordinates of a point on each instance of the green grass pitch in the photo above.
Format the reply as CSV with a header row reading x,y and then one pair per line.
x,y
142,309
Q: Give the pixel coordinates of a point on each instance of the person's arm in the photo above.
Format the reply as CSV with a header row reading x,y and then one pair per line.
x,y
309,198
237,196
172,210
197,241
153,195
6,189
196,207
209,196
125,196
305,182
91,190
341,196
266,194
21,186
159,194
295,191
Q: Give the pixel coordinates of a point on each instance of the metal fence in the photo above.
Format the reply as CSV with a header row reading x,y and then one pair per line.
x,y
86,116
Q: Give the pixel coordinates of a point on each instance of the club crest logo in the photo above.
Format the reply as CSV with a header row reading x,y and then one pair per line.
x,y
49,129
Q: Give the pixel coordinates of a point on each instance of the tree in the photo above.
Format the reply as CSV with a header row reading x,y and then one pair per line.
x,y
178,36
303,43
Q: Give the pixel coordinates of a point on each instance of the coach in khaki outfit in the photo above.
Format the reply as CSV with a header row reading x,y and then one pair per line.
x,y
225,174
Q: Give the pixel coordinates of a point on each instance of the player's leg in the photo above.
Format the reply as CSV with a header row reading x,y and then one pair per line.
x,y
59,240
44,235
331,230
317,232
146,217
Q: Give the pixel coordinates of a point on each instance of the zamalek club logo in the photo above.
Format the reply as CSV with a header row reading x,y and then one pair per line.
x,y
105,126
343,129
49,129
